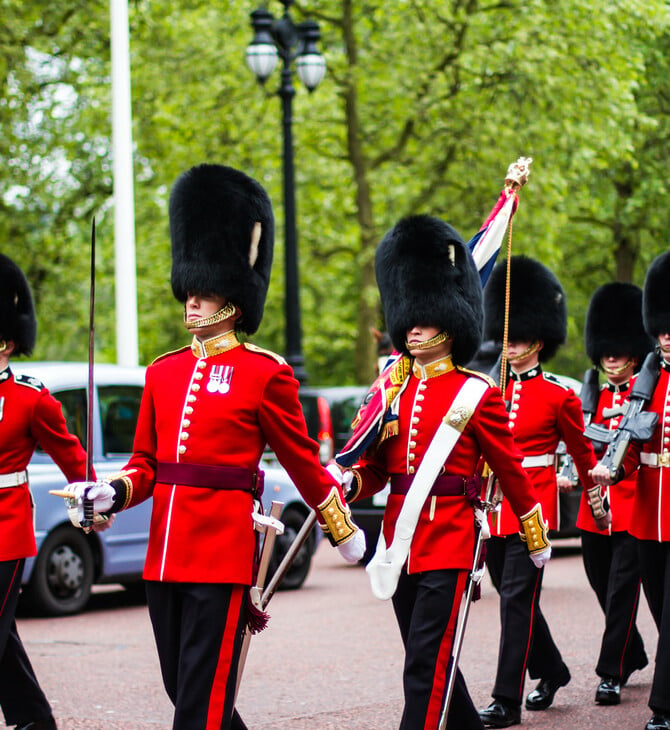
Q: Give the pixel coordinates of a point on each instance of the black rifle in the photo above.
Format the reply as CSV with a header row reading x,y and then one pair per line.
x,y
636,423
589,395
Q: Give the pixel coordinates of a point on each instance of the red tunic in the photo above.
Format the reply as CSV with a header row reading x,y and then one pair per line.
x,y
620,497
542,413
206,535
29,414
445,534
651,507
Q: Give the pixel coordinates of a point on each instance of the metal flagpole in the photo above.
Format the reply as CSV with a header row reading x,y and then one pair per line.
x,y
516,178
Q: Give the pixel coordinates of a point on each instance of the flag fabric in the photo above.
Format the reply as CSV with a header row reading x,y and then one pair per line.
x,y
485,244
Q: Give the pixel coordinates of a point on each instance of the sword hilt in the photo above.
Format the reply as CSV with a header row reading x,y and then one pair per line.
x,y
87,505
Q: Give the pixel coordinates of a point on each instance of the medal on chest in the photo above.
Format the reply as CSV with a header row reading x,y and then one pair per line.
x,y
219,379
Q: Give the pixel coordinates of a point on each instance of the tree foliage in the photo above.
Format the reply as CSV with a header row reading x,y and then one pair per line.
x,y
424,105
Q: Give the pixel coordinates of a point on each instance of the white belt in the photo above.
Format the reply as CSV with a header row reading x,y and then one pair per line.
x,y
530,462
13,480
655,460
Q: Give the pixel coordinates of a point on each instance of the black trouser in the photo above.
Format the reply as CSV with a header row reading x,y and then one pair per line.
x,y
199,629
525,639
426,608
655,571
613,570
21,696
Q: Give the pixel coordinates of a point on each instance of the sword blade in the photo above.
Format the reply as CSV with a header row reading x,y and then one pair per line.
x,y
288,559
88,504
460,634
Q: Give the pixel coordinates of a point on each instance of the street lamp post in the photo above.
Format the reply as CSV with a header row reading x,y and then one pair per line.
x,y
282,37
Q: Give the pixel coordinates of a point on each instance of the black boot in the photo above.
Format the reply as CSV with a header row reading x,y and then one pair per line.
x,y
658,722
609,691
500,714
543,695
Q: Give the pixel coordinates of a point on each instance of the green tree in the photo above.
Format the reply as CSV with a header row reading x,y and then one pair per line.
x,y
424,105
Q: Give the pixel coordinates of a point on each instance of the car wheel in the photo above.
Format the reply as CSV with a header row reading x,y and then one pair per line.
x,y
63,573
297,573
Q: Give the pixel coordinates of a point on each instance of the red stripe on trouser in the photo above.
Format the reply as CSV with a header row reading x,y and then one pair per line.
x,y
440,679
217,699
9,588
530,632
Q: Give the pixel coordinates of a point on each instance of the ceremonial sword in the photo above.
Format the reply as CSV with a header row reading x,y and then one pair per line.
x,y
89,516
87,522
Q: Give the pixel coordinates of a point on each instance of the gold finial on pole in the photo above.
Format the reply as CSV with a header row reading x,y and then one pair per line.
x,y
518,173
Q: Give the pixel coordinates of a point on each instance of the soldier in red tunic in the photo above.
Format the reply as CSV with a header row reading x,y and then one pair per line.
x,y
431,294
616,343
207,413
650,519
28,414
542,412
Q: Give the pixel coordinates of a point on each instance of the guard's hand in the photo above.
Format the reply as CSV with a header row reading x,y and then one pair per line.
x,y
343,478
564,484
353,549
541,558
101,493
102,522
601,475
603,523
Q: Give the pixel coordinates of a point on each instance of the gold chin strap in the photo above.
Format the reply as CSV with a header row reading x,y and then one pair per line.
x,y
226,312
616,371
3,345
432,342
534,347
664,348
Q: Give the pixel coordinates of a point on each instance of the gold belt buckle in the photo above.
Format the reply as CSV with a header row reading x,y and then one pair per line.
x,y
664,459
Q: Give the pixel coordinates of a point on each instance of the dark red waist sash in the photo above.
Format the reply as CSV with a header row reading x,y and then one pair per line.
x,y
446,485
211,477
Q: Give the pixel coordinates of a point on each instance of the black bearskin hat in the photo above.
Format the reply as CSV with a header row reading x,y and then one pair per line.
x,y
213,215
537,309
614,323
656,297
426,276
17,312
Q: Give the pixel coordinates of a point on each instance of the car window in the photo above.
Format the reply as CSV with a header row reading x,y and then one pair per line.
x,y
343,413
310,409
73,403
119,407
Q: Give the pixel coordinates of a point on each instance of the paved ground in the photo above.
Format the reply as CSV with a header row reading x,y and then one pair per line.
x,y
330,659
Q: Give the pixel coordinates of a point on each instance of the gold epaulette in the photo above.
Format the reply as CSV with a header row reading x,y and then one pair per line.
x,y
171,352
262,351
487,379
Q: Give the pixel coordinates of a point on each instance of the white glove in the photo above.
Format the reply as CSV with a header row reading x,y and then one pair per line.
x,y
343,478
542,558
353,549
101,493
